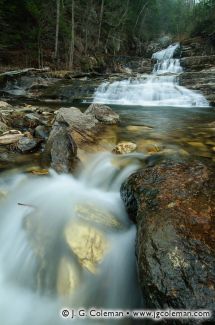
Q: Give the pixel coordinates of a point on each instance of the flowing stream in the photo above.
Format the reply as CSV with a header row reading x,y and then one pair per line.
x,y
161,88
67,242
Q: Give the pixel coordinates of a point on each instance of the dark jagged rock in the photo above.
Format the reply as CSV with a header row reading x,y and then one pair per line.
x,y
173,205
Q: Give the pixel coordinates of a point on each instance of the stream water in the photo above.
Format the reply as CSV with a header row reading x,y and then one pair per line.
x,y
70,244
66,241
161,88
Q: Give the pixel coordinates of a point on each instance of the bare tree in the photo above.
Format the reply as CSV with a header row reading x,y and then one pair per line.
x,y
100,21
72,40
140,13
57,28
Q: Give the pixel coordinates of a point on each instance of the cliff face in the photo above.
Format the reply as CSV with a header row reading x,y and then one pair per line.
x,y
198,61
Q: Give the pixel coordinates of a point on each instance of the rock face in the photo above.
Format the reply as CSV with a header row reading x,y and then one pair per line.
x,y
203,81
198,61
173,205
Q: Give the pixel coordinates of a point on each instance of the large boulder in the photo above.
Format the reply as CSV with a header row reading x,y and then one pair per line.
x,y
73,133
103,113
173,204
61,149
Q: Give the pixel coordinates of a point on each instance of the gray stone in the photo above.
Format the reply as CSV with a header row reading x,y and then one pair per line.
x,y
26,144
103,113
41,132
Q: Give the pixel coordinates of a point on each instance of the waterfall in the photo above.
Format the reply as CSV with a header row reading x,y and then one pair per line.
x,y
46,263
161,88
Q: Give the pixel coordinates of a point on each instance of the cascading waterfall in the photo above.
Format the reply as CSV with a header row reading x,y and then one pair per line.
x,y
161,88
67,242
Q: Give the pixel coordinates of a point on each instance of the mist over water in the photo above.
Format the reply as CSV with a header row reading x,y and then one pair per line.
x,y
35,240
161,88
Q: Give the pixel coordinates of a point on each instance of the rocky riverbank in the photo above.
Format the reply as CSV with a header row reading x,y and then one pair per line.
x,y
53,137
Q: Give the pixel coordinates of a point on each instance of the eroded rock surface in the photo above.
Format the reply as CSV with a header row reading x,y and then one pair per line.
x,y
173,205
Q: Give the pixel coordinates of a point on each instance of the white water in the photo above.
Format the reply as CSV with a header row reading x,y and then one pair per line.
x,y
161,88
53,199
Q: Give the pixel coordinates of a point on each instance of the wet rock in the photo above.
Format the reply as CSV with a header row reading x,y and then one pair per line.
x,y
26,144
124,147
103,113
97,216
212,124
73,132
87,243
68,277
149,146
173,205
34,119
41,132
61,149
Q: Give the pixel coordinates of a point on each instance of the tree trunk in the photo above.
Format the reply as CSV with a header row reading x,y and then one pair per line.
x,y
57,29
87,19
100,21
72,41
140,13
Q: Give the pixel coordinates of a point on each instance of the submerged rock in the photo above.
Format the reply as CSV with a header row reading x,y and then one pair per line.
x,y
68,277
103,113
87,243
125,147
173,205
